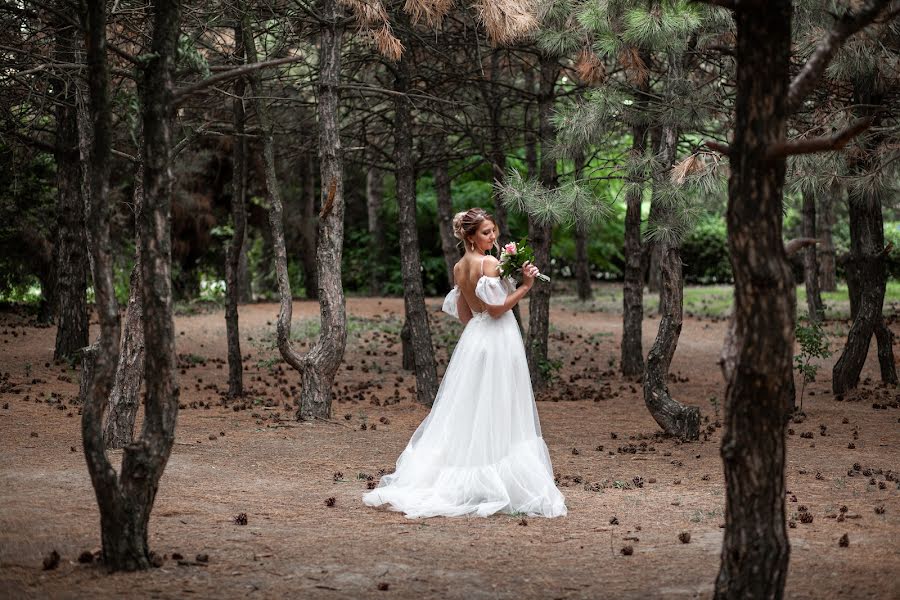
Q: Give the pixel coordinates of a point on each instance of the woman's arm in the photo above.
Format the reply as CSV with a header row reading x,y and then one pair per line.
x,y
528,275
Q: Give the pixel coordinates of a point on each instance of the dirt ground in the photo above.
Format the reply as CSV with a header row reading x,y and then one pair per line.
x,y
624,486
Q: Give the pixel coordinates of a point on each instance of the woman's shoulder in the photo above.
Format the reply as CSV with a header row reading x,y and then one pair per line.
x,y
490,265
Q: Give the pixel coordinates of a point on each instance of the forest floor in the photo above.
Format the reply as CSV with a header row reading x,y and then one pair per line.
x,y
624,484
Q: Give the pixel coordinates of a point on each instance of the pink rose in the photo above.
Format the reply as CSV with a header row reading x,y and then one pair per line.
x,y
510,248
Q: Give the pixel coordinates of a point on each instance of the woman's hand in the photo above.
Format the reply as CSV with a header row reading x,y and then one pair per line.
x,y
529,272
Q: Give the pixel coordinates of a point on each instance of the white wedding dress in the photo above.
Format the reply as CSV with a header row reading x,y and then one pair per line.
x,y
479,451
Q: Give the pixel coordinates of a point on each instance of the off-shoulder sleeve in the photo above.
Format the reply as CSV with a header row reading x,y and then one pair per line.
x,y
451,303
492,290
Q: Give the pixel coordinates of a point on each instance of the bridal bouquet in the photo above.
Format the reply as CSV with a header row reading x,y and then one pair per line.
x,y
513,257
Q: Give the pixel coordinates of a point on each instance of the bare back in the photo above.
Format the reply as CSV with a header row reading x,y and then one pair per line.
x,y
468,271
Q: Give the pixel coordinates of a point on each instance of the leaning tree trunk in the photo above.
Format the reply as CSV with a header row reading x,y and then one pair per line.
x,y
754,557
319,366
810,263
867,271
633,289
445,217
71,245
239,222
123,398
582,262
374,203
675,418
827,271
411,271
540,234
126,501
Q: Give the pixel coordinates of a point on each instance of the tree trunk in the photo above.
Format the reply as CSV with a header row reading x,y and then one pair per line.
x,y
493,99
445,217
123,399
866,275
540,234
319,366
411,269
633,288
99,155
374,203
245,284
235,249
827,272
582,262
309,227
675,418
810,264
126,501
755,550
71,244
530,134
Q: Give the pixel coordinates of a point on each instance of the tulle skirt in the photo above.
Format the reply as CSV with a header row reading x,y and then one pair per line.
x,y
479,451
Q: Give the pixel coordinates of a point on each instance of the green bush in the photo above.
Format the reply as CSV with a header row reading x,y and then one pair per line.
x,y
705,252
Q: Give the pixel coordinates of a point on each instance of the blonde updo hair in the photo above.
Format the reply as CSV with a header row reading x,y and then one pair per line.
x,y
465,223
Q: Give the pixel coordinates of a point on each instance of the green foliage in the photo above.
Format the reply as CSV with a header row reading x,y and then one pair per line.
x,y
189,56
813,344
665,26
27,216
704,251
549,369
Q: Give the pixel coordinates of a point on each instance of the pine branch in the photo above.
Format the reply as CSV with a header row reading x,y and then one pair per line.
x,y
184,93
819,144
847,25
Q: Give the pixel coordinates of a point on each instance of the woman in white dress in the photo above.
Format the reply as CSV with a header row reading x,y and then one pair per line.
x,y
479,451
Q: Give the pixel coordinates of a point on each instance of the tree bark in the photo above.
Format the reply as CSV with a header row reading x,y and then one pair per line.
x,y
309,227
374,204
582,262
675,418
71,244
123,399
239,223
245,283
493,99
540,234
319,366
810,263
827,271
411,269
99,154
755,550
126,501
866,273
632,360
445,217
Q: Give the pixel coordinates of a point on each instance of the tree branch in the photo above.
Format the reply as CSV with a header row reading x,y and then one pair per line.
x,y
796,244
819,144
184,93
719,147
847,25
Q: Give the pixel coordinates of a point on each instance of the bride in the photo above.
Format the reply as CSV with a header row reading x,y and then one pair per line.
x,y
479,451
